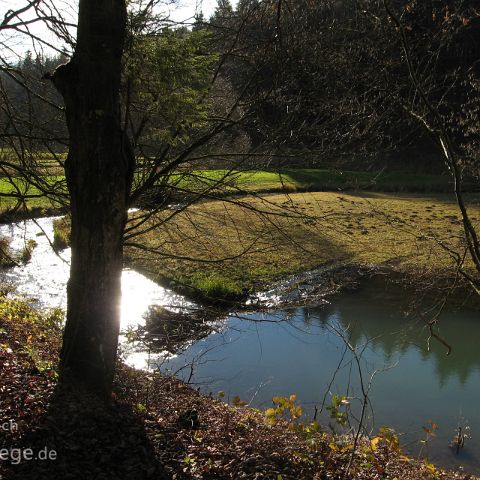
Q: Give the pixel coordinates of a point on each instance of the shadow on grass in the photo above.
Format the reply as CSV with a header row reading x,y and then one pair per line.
x,y
312,179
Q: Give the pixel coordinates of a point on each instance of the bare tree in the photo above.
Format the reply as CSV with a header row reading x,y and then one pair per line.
x,y
437,121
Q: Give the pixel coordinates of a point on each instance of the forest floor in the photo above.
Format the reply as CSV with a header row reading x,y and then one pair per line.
x,y
155,427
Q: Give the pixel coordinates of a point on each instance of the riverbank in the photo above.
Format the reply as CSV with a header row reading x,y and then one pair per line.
x,y
10,215
231,252
232,249
228,251
157,427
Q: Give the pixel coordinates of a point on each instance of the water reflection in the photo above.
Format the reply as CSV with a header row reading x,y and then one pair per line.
x,y
45,277
303,351
380,319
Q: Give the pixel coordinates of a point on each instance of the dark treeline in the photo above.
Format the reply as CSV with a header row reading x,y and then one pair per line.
x,y
329,80
31,107
320,83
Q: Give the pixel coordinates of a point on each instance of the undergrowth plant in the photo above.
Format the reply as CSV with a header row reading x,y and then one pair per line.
x,y
37,334
286,409
27,250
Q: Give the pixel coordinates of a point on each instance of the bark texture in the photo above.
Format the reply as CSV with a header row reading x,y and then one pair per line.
x,y
98,171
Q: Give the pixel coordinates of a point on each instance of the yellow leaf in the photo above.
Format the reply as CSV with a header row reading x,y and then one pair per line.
x,y
271,421
431,468
374,443
296,412
238,402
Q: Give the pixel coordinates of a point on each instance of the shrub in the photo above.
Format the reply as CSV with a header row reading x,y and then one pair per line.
x,y
27,251
61,233
6,258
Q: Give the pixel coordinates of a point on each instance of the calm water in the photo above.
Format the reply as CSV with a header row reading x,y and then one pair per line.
x,y
45,276
304,351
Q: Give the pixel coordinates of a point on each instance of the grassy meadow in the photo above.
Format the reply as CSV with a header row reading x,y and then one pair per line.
x,y
308,179
267,225
49,176
223,248
13,189
48,170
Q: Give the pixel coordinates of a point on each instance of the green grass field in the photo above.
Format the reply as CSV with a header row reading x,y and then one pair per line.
x,y
295,220
262,181
304,179
231,182
14,189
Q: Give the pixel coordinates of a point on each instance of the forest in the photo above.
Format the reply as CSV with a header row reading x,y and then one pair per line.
x,y
240,245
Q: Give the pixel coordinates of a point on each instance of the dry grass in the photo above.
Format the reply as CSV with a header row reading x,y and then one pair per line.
x,y
261,240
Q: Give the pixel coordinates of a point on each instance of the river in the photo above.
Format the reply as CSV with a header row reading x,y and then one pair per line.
x,y
313,352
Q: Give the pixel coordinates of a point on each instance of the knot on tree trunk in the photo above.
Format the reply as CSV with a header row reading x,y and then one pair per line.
x,y
63,77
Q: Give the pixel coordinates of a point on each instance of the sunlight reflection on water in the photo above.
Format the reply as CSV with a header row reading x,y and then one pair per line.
x,y
45,277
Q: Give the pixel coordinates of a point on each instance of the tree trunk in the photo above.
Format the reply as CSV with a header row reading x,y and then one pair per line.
x,y
98,171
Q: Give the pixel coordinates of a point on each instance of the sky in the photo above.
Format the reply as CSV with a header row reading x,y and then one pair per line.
x,y
13,43
186,9
181,10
